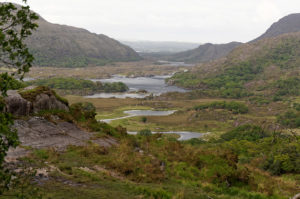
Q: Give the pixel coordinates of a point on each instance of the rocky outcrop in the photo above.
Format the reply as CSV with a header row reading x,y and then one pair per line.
x,y
46,102
39,133
18,106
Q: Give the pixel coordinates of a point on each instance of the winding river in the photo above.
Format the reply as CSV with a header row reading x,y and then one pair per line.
x,y
184,135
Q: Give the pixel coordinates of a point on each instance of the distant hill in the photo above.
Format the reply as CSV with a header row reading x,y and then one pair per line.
x,y
209,52
160,47
67,46
204,53
288,24
267,67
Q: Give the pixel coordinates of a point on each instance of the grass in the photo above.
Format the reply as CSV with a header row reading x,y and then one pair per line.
x,y
122,68
119,112
78,175
170,123
186,119
31,95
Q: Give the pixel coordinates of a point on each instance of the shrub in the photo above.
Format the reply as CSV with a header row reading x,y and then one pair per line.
x,y
145,132
245,132
7,82
144,119
83,111
288,86
284,159
289,119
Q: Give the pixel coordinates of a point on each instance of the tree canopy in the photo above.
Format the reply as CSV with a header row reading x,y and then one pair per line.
x,y
16,23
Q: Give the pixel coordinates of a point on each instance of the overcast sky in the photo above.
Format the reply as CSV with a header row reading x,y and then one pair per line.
x,y
201,21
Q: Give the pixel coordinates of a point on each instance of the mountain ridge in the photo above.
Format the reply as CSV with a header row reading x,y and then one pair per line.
x,y
287,24
68,46
204,53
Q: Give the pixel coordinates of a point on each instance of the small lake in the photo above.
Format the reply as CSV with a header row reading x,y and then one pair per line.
x,y
153,85
184,135
135,113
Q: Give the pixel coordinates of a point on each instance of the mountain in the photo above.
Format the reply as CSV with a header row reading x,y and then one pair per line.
x,y
288,24
267,67
67,46
209,52
204,53
160,47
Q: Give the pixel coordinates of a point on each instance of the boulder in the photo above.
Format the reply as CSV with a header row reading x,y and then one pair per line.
x,y
46,102
17,105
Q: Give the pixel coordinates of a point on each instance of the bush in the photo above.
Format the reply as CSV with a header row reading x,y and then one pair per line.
x,y
290,86
145,132
290,119
83,111
7,82
245,132
284,159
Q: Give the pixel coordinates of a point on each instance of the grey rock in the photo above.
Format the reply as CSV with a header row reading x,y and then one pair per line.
x,y
39,133
46,102
17,105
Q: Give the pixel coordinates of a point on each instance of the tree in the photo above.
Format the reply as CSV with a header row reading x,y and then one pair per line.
x,y
16,23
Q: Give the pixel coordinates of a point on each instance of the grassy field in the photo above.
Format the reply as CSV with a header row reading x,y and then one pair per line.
x,y
185,119
132,69
257,163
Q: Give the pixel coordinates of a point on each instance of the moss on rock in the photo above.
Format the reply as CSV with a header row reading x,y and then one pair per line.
x,y
31,94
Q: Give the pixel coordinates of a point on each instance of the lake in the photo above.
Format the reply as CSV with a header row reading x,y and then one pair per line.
x,y
153,85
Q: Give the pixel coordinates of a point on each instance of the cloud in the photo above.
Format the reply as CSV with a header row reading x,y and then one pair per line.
x,y
266,11
202,21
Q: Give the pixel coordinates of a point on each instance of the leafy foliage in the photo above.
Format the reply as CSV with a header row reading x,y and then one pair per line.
x,y
16,24
9,83
290,119
285,158
80,84
245,132
290,86
145,132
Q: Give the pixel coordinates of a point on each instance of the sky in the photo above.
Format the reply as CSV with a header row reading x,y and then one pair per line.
x,y
199,21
